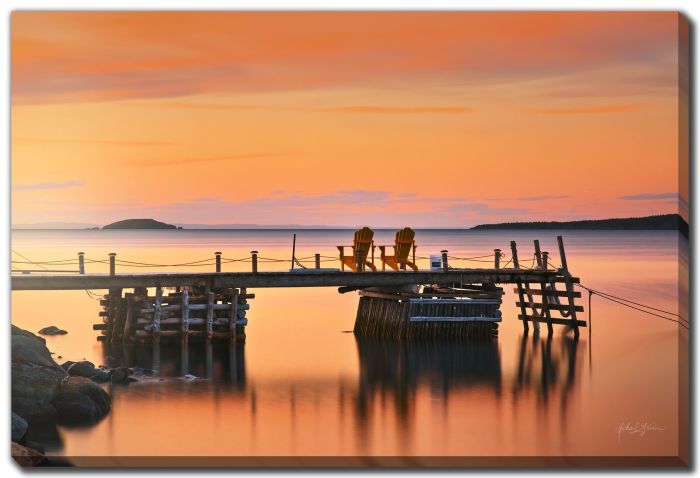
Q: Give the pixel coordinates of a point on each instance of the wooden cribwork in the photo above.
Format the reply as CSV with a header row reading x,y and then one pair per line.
x,y
189,312
435,313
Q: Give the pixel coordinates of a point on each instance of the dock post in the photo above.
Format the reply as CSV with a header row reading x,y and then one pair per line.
x,y
112,263
185,312
445,266
521,297
541,258
496,258
254,260
81,262
545,260
569,285
211,299
218,261
317,260
294,249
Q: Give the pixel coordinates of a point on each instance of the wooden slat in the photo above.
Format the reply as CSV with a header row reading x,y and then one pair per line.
x,y
233,318
210,314
185,312
453,319
560,293
579,308
157,311
581,323
281,279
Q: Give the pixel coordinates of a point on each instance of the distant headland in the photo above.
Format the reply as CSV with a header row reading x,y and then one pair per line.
x,y
661,222
140,224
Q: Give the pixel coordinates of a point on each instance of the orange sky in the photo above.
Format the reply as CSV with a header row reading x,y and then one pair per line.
x,y
384,119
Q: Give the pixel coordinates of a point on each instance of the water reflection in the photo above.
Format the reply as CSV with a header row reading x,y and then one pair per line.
x,y
396,370
547,367
214,361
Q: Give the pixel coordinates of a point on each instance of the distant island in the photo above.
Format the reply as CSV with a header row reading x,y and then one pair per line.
x,y
140,224
661,222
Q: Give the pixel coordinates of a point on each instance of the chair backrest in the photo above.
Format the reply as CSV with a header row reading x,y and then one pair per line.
x,y
404,243
362,242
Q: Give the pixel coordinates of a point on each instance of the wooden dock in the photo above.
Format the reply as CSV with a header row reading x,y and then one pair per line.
x,y
300,278
457,302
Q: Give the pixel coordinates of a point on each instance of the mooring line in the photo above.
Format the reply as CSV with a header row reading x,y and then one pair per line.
x,y
622,301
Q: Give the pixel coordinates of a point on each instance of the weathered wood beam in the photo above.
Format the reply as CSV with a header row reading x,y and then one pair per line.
x,y
282,279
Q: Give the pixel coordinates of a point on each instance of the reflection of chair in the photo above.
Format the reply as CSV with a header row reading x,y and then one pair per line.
x,y
361,245
403,245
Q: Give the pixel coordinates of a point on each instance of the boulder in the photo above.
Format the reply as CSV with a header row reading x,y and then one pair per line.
x,y
80,401
25,456
35,382
52,330
17,331
30,350
19,427
122,375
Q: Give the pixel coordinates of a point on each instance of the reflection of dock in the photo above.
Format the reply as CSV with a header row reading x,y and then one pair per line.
x,y
398,369
211,360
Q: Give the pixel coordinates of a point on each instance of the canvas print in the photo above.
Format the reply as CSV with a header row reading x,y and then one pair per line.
x,y
349,239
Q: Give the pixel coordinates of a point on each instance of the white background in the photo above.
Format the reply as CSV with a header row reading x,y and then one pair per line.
x,y
690,8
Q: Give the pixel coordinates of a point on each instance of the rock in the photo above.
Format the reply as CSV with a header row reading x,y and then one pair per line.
x,y
52,330
35,382
30,350
35,412
19,427
100,376
121,375
25,456
79,369
17,331
75,408
88,388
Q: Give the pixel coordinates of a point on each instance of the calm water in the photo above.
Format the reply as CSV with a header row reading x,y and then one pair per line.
x,y
301,386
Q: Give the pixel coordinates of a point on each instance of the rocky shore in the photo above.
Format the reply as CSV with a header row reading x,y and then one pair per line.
x,y
45,395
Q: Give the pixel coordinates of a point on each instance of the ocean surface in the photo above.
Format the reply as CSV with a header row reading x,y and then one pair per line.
x,y
303,386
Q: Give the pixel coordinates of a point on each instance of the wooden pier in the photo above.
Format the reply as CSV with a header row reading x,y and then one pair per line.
x,y
461,303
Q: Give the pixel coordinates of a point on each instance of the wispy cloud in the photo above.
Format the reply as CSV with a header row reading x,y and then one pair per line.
x,y
543,198
649,196
181,161
399,109
597,109
48,185
114,142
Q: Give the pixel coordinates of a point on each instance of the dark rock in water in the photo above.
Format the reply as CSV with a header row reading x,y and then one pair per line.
x,y
83,386
25,333
25,456
79,369
19,427
100,376
29,350
43,393
52,330
35,412
32,381
121,375
75,408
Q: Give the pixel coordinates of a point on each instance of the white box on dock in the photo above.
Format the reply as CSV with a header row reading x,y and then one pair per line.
x,y
436,262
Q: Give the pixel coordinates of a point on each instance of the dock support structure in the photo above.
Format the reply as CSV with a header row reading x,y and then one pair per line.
x,y
137,316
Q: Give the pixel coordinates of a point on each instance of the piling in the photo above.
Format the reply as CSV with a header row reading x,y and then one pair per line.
x,y
218,261
112,263
81,262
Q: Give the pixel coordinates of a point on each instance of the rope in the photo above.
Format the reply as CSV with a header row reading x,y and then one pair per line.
x,y
626,302
29,260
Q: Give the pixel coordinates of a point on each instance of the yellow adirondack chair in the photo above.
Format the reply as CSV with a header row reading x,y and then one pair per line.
x,y
403,246
361,247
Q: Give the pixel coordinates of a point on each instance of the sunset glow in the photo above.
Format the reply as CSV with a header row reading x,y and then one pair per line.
x,y
342,119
